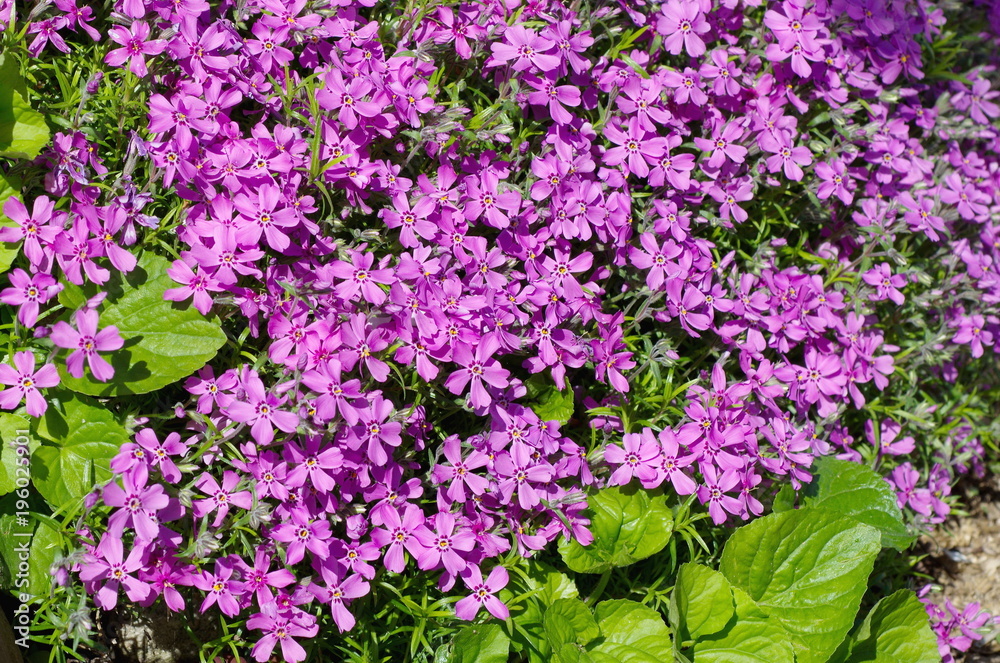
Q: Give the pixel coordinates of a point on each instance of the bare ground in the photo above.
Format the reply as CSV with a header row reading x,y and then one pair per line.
x,y
964,558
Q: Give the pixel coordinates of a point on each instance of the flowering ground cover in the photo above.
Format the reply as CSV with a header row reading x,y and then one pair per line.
x,y
546,330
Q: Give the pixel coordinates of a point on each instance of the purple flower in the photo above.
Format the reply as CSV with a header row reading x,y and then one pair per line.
x,y
483,593
221,589
479,367
281,627
38,230
525,48
136,44
27,383
220,498
680,23
399,532
304,533
638,456
106,563
517,470
28,292
722,145
886,283
86,342
137,504
261,412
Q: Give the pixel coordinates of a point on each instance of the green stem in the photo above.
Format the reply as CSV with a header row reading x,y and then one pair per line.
x,y
601,584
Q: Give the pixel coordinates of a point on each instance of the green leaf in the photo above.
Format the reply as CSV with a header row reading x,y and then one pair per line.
x,y
46,544
784,500
23,132
83,437
806,568
856,490
753,637
569,621
164,341
12,463
549,403
628,524
9,186
896,629
632,633
481,643
702,602
545,585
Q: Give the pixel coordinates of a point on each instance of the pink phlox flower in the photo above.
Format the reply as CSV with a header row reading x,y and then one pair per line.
x,y
281,626
304,532
399,532
25,382
680,23
638,456
482,593
887,285
86,342
526,48
261,411
480,368
220,498
518,471
221,588
148,450
196,283
136,44
38,230
137,504
107,563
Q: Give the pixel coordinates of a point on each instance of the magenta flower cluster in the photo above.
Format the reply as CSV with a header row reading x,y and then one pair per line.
x,y
502,260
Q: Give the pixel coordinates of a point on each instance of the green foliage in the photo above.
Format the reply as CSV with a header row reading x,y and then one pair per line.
x,y
9,186
23,131
80,439
702,602
632,633
856,490
896,629
752,637
807,569
789,588
549,403
628,525
481,643
164,341
13,464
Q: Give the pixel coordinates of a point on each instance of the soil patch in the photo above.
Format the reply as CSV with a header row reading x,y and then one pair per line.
x,y
964,558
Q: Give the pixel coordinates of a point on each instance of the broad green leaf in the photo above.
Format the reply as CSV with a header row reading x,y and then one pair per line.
x,y
13,463
549,403
480,643
545,585
15,541
702,602
896,629
23,131
573,653
164,341
806,568
856,490
628,524
753,637
569,621
83,437
632,633
46,544
784,500
8,250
